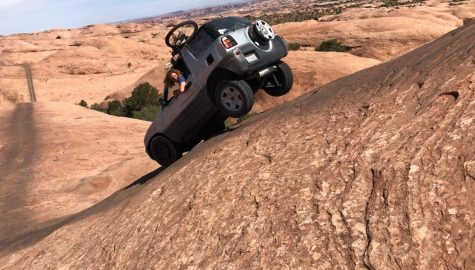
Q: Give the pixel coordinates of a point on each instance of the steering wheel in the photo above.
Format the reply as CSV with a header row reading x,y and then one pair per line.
x,y
180,34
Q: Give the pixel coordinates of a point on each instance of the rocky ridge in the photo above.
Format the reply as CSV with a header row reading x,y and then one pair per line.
x,y
375,171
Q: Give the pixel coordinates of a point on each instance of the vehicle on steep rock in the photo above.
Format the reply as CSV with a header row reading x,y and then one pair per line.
x,y
224,62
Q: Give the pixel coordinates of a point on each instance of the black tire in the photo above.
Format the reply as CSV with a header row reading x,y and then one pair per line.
x,y
164,151
234,98
256,84
280,82
213,128
183,40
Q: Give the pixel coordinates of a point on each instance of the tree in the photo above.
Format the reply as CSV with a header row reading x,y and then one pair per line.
x,y
144,103
115,107
148,113
143,95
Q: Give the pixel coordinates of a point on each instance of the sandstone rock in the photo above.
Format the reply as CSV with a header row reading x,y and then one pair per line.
x,y
58,159
370,171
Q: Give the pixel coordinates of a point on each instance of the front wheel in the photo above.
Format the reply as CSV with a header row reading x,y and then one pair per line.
x,y
280,82
164,151
234,98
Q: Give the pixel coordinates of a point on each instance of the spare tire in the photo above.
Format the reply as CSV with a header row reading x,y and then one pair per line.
x,y
263,31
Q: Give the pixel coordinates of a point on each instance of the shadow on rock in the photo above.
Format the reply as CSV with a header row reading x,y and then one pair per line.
x,y
144,179
15,243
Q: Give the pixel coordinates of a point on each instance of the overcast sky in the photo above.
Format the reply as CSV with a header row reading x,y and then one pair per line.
x,y
25,16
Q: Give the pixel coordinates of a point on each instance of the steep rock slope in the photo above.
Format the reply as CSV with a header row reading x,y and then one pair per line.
x,y
311,70
375,170
58,159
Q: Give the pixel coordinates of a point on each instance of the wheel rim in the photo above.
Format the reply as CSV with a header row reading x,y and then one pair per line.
x,y
232,99
265,30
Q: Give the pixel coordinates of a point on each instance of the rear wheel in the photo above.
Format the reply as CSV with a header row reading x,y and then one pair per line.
x,y
280,82
234,98
164,151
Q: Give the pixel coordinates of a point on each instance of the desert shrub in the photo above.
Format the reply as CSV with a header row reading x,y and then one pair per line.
x,y
144,104
339,10
114,107
332,45
311,13
76,44
148,113
297,16
294,46
98,107
83,103
143,95
390,3
247,116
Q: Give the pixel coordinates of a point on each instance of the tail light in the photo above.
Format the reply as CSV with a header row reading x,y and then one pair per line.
x,y
228,42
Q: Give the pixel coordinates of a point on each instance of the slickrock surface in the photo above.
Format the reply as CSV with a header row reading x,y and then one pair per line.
x,y
58,159
311,70
88,63
99,61
381,33
375,170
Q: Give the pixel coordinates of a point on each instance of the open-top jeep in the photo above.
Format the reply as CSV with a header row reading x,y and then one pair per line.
x,y
225,61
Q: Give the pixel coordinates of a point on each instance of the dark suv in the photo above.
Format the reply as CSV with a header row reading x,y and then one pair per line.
x,y
225,61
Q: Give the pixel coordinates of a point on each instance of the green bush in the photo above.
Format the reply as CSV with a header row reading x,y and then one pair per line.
x,y
148,113
83,103
98,107
115,107
247,116
332,45
144,104
295,16
294,46
390,3
143,95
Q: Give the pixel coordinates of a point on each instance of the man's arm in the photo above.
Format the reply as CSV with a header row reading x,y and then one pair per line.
x,y
182,87
182,83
